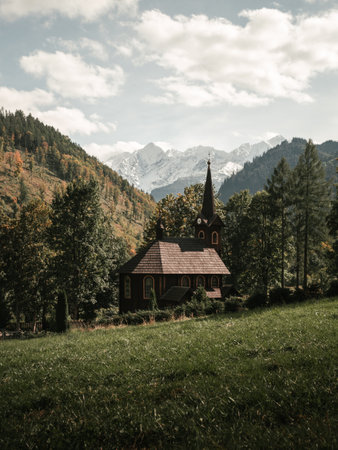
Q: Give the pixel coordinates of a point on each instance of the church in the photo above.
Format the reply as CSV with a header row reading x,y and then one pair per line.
x,y
173,266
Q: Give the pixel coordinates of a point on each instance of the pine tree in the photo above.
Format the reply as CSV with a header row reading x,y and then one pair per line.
x,y
263,245
61,313
235,235
279,189
311,198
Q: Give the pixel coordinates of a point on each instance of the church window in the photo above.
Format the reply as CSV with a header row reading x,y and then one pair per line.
x,y
148,285
214,282
127,287
185,281
200,281
214,237
201,234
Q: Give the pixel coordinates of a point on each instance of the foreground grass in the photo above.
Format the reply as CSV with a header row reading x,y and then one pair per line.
x,y
262,379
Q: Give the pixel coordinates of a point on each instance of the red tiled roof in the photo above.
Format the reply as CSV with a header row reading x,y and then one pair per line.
x,y
176,256
214,293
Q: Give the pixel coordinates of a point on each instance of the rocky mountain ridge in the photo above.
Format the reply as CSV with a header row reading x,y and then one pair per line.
x,y
160,172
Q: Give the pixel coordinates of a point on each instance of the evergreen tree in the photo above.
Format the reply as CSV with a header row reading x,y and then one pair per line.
x,y
332,222
235,236
84,251
278,187
28,260
263,244
153,300
61,313
311,198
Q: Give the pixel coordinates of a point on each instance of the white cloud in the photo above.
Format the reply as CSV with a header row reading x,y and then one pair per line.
x,y
274,55
73,120
69,76
103,151
28,101
94,48
88,10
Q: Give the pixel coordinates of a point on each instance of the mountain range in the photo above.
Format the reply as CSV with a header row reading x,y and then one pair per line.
x,y
161,172
36,160
254,174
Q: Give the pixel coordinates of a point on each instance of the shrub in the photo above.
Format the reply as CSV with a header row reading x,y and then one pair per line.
x,y
256,300
233,304
153,300
162,315
179,311
279,295
200,295
333,289
314,291
214,307
298,295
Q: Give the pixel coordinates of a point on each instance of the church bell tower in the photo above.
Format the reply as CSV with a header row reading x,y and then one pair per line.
x,y
208,224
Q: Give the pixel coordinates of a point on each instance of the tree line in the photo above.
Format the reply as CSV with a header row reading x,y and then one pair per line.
x,y
68,247
284,235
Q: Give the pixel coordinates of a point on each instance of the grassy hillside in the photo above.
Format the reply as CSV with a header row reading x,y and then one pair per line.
x,y
262,379
254,174
36,159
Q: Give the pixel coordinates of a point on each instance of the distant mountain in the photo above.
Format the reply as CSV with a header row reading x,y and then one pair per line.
x,y
36,160
254,174
162,172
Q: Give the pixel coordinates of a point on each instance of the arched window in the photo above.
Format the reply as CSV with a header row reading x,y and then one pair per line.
x,y
200,281
201,234
214,237
214,282
185,281
127,287
148,285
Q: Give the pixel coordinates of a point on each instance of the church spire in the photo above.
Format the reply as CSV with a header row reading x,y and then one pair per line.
x,y
208,208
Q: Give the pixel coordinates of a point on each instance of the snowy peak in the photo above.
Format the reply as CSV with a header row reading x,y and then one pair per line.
x,y
152,168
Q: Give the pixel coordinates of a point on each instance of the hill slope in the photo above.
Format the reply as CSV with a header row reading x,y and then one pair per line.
x,y
262,379
254,174
36,159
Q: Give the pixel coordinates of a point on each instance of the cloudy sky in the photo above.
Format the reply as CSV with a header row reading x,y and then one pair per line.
x,y
122,73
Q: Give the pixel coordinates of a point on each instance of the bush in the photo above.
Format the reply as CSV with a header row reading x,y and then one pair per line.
x,y
179,311
214,307
162,315
200,295
314,291
233,304
256,300
333,289
298,296
279,295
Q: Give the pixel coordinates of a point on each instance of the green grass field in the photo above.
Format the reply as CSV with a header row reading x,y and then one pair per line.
x,y
258,379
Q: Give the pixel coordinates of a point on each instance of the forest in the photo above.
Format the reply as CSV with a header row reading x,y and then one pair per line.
x,y
283,237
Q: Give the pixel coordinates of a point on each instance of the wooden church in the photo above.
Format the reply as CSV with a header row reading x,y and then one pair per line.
x,y
173,266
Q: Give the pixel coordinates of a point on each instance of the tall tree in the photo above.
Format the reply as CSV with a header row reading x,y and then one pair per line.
x,y
278,187
312,202
29,259
235,235
83,252
332,222
263,245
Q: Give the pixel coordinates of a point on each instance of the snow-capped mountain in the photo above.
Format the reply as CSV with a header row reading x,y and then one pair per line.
x,y
160,172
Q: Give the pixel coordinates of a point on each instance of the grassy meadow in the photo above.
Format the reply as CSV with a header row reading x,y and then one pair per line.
x,y
255,379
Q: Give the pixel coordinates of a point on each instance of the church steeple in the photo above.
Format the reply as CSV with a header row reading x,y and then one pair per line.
x,y
208,207
208,225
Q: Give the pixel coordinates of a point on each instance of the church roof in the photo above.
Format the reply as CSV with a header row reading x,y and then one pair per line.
x,y
176,256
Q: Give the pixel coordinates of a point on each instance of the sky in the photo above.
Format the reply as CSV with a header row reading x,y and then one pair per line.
x,y
118,74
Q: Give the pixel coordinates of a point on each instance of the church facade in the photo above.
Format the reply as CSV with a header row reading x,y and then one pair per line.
x,y
174,267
